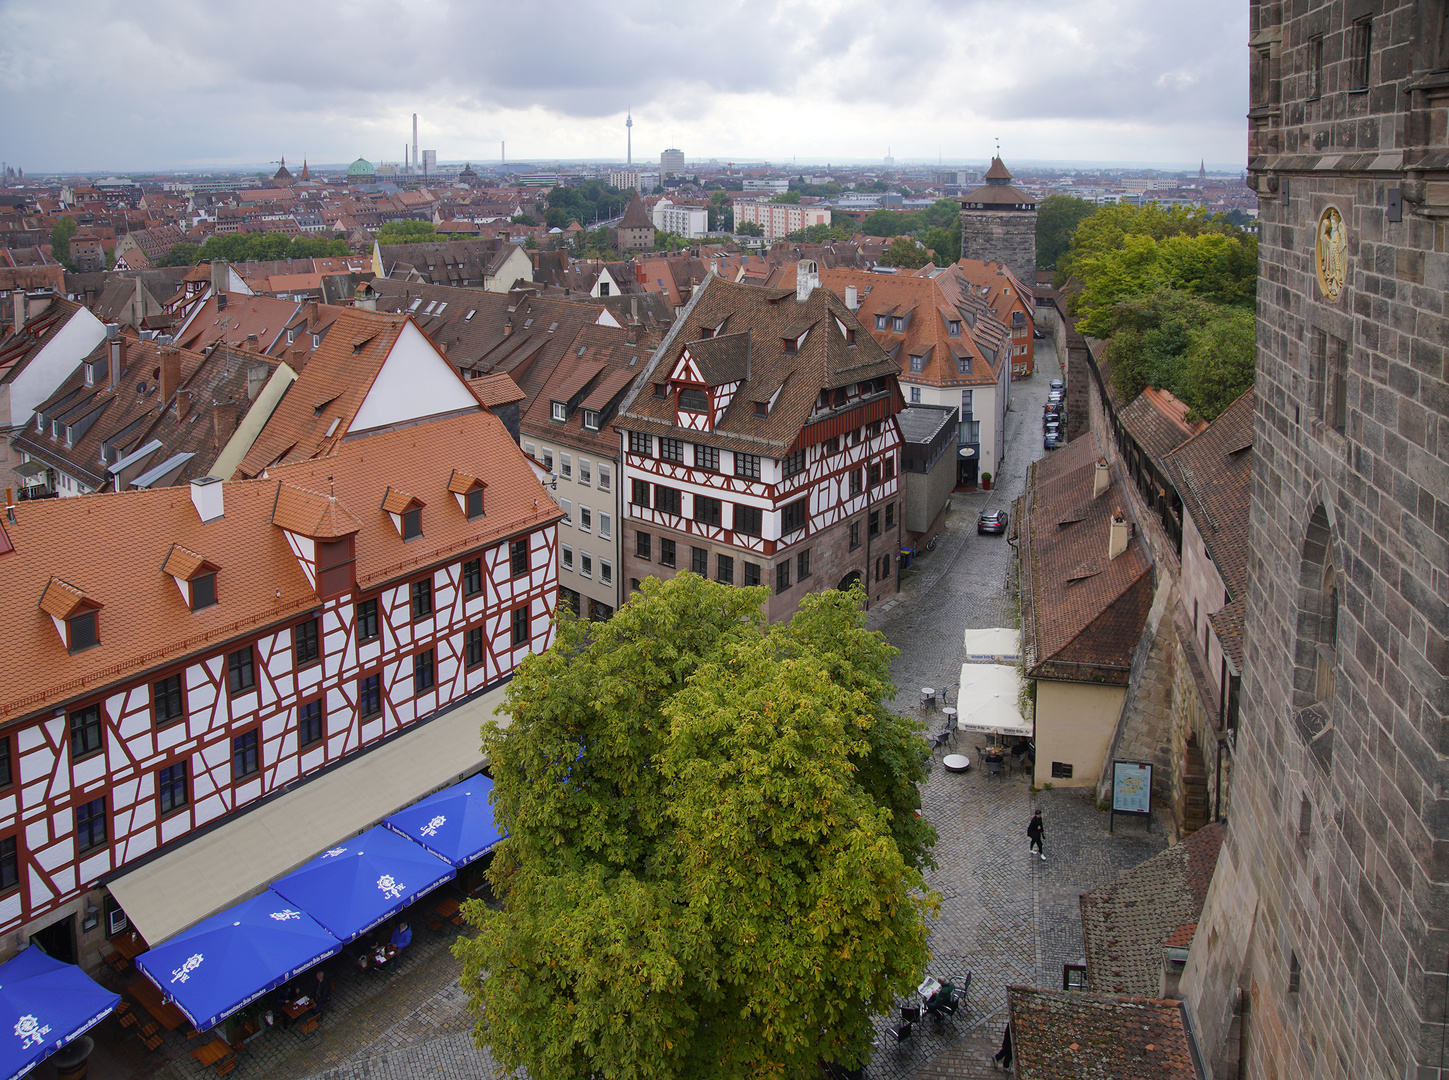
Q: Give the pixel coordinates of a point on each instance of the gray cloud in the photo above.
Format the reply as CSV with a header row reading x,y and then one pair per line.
x,y
155,83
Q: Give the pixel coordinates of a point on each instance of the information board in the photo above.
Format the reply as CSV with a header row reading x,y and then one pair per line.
x,y
1131,788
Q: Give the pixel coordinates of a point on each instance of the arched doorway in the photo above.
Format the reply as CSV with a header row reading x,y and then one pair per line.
x,y
849,581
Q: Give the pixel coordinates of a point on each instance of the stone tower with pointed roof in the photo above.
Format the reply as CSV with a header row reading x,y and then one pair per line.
x,y
636,230
284,174
998,223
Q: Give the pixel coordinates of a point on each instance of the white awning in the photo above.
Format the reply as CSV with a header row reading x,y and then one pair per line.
x,y
242,857
994,645
988,700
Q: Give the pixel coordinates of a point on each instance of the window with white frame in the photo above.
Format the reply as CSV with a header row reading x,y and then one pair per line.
x,y
586,564
606,572
568,510
605,525
568,557
566,466
584,471
603,476
591,419
560,411
547,452
586,518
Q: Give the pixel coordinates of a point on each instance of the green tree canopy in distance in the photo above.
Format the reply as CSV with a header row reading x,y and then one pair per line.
x,y
713,856
1056,217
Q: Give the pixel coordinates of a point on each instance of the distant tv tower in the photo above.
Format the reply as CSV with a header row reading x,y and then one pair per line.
x,y
415,141
629,134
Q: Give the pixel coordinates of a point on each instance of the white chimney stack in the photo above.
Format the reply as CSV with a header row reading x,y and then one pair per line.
x,y
807,279
852,298
1101,477
1121,533
206,496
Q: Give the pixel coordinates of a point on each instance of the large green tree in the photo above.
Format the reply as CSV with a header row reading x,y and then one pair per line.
x,y
406,231
905,252
60,236
713,854
1056,217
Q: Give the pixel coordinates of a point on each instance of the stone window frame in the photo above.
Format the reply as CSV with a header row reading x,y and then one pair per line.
x,y
1316,645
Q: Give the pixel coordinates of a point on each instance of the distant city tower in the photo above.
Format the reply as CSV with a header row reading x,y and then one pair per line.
x,y
998,224
629,135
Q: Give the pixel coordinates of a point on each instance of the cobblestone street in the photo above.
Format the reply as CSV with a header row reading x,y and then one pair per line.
x,y
1006,916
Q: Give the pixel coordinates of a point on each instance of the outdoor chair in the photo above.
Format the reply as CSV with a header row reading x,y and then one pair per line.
x,y
153,1041
118,963
994,766
307,1027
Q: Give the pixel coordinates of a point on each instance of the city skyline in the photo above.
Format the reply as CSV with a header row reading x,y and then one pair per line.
x,y
1126,83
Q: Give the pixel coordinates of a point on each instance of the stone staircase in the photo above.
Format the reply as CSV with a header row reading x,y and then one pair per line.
x,y
1194,789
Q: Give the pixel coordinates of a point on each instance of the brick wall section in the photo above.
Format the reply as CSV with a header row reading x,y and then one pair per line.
x,y
1361,897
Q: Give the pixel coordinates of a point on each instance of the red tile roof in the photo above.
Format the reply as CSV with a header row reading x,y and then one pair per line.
x,y
1073,1035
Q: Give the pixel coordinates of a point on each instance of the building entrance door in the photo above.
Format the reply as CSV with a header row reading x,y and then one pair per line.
x,y
57,939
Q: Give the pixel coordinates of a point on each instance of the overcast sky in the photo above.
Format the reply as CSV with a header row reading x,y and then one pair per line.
x,y
87,85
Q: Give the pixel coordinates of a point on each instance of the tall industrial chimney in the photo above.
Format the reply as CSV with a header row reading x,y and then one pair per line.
x,y
415,140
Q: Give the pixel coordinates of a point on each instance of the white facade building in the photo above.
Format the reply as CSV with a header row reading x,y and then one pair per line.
x,y
687,221
774,187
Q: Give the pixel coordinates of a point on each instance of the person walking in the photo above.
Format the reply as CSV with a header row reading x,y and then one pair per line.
x,y
1034,832
1003,1056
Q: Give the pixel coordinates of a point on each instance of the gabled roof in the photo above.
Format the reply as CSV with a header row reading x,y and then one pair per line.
x,y
1158,421
795,380
1213,474
614,362
1126,922
319,407
724,359
312,514
183,563
1087,611
1074,1035
18,348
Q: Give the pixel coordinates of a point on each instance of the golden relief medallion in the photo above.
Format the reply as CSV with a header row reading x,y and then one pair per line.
x,y
1331,254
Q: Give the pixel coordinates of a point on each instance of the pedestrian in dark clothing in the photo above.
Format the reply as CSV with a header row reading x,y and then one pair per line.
x,y
1003,1056
1034,831
321,993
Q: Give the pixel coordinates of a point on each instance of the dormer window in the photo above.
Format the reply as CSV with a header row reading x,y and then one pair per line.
x,y
918,364
762,408
560,411
406,512
954,328
194,576
468,490
898,324
73,613
591,419
881,322
693,399
963,365
850,335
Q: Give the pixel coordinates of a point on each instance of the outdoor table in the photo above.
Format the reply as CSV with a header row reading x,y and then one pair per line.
x,y
928,696
382,954
212,1052
956,762
927,988
130,945
446,908
149,998
70,1060
295,1010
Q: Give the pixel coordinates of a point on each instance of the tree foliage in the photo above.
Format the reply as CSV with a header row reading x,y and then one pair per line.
x,y
588,203
939,214
60,237
1200,351
406,231
749,228
712,864
1056,217
905,252
260,247
792,197
182,254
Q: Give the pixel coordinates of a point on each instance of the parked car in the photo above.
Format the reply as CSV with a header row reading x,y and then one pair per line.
x,y
991,521
1057,384
1053,440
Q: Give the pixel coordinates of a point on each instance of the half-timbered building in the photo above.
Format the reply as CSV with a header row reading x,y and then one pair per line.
x,y
178,657
761,447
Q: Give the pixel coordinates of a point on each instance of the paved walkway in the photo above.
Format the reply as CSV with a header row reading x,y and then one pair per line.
x,y
1006,916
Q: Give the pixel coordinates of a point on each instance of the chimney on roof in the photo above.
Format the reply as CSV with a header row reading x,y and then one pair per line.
x,y
223,422
18,300
220,276
1101,477
852,297
714,267
310,313
253,343
183,404
257,376
170,375
138,305
1121,533
116,355
807,279
206,496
